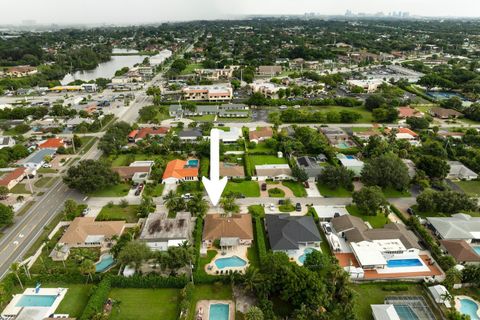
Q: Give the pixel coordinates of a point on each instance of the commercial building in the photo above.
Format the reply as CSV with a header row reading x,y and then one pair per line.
x,y
208,93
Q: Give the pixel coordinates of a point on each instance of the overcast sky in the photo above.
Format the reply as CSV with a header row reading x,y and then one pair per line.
x,y
147,11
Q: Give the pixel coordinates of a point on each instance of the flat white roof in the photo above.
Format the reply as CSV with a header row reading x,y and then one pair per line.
x,y
273,166
390,245
384,312
329,211
368,253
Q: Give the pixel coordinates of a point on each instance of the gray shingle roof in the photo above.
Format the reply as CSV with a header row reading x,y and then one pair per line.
x,y
285,231
458,226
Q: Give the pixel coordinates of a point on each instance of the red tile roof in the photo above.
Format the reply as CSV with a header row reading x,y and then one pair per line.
x,y
15,174
52,143
143,132
405,112
178,169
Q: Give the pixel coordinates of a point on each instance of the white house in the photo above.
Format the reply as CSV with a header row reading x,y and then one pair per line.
x,y
274,172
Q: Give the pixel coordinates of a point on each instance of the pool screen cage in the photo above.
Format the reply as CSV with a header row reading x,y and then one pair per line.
x,y
411,307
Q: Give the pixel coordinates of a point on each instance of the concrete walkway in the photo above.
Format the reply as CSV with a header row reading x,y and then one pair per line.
x,y
312,191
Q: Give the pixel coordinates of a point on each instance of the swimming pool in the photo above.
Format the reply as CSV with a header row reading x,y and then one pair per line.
x,y
302,258
219,311
350,157
405,312
230,262
469,307
106,261
343,145
36,301
401,263
476,249
192,163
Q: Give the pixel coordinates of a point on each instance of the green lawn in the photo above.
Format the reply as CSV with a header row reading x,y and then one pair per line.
x,y
115,212
337,193
276,193
189,187
43,182
47,170
126,159
252,255
204,118
118,190
392,193
261,147
20,188
265,159
203,261
154,190
216,291
377,221
286,208
469,187
191,68
145,304
297,188
75,300
247,188
373,293
365,115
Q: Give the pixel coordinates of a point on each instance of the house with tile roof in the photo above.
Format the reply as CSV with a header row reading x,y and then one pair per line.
x,y
444,113
52,143
274,172
142,133
407,112
461,251
236,229
260,134
86,232
180,170
458,171
12,178
459,226
231,170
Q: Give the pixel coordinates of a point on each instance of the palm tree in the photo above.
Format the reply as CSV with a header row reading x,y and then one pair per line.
x,y
87,268
229,206
254,313
197,205
251,279
58,248
15,269
171,200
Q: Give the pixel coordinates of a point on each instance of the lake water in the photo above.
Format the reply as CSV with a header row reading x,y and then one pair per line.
x,y
105,69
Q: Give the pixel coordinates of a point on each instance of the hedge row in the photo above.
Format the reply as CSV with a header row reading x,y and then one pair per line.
x,y
186,296
261,247
248,165
149,281
97,299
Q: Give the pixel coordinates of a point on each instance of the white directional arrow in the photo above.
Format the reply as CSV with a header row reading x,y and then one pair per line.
x,y
214,185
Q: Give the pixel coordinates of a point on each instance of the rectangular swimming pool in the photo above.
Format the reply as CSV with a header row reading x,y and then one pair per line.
x,y
402,263
36,301
476,249
192,163
219,311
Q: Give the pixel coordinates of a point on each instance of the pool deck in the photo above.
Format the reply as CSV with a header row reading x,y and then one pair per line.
x,y
348,259
457,303
240,251
100,260
295,257
202,310
35,313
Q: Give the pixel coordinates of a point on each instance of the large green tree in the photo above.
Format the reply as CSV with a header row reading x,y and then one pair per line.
x,y
434,167
369,200
335,177
90,175
6,215
386,171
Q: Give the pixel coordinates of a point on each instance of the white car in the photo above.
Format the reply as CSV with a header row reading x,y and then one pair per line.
x,y
186,196
271,207
47,165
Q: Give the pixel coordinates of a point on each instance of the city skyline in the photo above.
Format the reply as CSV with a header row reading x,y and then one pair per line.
x,y
144,11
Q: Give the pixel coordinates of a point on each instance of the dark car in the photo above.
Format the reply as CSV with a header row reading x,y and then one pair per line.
x,y
264,187
221,124
298,207
327,229
281,202
410,211
306,184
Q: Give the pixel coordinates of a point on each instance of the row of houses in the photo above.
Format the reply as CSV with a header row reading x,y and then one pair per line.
x,y
223,111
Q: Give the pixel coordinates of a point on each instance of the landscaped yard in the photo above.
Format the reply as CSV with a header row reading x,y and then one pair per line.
x,y
216,291
191,68
20,188
75,300
247,188
276,193
43,182
145,304
337,193
365,115
203,261
265,159
118,190
297,188
126,159
116,212
377,221
392,193
46,170
375,293
469,187
154,190
204,118
261,147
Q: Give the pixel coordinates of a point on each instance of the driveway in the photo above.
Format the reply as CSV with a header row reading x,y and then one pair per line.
x,y
312,191
264,194
169,187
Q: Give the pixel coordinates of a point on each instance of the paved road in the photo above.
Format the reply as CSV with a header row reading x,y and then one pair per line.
x,y
27,228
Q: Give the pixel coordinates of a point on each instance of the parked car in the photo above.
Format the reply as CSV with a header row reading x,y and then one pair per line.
x,y
298,207
410,211
264,187
327,228
186,196
271,206
306,184
139,189
281,202
221,124
46,165
85,212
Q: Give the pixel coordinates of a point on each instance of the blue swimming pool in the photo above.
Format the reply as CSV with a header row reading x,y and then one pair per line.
x,y
343,145
469,307
36,301
302,258
476,249
405,312
219,311
401,263
350,157
106,261
230,262
192,163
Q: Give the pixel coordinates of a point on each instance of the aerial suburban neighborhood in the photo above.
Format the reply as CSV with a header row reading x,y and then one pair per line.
x,y
265,167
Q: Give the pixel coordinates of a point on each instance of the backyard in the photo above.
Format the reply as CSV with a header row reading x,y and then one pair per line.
x,y
265,159
216,291
377,221
75,300
469,187
247,188
145,304
117,212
